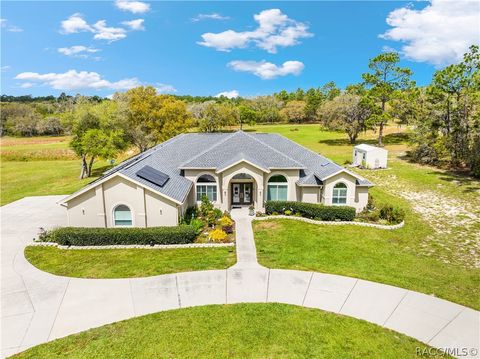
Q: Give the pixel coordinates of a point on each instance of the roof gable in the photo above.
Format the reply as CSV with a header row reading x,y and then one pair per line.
x,y
246,145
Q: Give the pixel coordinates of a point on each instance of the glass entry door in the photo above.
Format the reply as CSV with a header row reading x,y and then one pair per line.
x,y
241,193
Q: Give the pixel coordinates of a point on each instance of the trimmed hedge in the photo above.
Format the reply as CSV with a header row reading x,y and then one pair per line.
x,y
312,210
74,236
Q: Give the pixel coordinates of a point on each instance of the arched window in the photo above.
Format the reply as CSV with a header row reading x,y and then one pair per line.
x,y
277,188
339,194
122,216
206,186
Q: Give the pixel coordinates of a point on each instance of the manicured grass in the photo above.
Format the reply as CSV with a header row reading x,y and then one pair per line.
x,y
124,263
40,178
378,255
234,331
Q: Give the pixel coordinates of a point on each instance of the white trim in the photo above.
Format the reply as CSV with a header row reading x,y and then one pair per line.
x,y
206,184
346,195
240,161
350,173
134,246
123,203
214,176
277,173
113,175
340,171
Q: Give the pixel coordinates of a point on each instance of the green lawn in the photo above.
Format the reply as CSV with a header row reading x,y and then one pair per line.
x,y
40,178
39,166
234,331
367,253
124,263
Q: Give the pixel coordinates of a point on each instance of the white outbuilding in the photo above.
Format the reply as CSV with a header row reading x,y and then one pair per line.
x,y
369,156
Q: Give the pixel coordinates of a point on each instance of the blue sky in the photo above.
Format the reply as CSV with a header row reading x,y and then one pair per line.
x,y
64,46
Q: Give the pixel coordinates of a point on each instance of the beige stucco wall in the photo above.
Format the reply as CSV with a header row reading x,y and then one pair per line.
x,y
353,199
160,211
87,210
361,198
311,194
94,208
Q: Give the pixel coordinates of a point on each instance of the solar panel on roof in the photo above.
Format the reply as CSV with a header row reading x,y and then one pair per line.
x,y
152,175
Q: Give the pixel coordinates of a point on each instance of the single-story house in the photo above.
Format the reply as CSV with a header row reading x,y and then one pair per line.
x,y
156,187
369,156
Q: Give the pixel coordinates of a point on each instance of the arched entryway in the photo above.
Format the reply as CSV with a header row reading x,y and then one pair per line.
x,y
242,190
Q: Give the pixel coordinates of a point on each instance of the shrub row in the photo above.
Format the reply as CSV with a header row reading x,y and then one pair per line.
x,y
110,236
312,210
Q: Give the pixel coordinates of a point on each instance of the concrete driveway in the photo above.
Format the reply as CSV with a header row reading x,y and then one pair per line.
x,y
38,307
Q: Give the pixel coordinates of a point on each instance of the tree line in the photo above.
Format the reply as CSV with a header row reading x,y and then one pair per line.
x,y
444,116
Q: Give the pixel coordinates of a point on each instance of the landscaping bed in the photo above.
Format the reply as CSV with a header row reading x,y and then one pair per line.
x,y
383,215
235,331
76,236
211,224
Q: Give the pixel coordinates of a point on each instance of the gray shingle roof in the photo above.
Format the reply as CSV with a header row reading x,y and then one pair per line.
x,y
241,144
219,151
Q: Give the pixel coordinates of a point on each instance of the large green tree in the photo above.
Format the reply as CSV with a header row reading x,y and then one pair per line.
x,y
152,118
217,116
294,111
96,133
348,112
451,125
384,80
267,108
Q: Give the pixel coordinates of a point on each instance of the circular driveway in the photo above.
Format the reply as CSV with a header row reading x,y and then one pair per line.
x,y
38,307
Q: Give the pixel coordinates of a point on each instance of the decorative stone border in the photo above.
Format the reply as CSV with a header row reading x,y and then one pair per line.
x,y
340,223
135,246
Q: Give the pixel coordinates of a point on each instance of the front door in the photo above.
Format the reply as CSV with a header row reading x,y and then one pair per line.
x,y
241,193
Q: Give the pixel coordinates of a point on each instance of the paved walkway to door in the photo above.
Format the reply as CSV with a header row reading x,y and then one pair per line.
x,y
38,307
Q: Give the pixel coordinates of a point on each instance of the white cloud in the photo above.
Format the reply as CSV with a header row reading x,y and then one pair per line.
x,y
136,7
228,94
4,24
27,85
135,24
165,88
6,68
73,80
77,51
101,31
275,29
439,34
74,24
212,16
267,70
104,32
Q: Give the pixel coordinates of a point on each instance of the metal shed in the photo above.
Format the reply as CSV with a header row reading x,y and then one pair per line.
x,y
369,156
